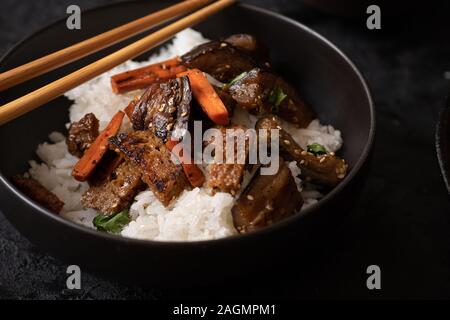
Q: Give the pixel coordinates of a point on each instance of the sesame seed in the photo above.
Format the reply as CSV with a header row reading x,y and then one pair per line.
x,y
287,142
302,162
332,153
184,113
341,176
322,159
269,207
304,153
250,197
223,44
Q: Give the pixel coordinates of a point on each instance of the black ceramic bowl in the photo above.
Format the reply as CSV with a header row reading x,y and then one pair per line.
x,y
326,78
443,143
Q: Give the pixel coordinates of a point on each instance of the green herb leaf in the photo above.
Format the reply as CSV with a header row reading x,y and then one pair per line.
x,y
316,149
276,97
112,223
239,77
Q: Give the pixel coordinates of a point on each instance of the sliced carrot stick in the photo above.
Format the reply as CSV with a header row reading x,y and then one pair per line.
x,y
130,108
145,76
86,165
206,96
191,170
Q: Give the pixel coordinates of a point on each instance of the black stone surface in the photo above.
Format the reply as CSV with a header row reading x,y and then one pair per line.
x,y
400,223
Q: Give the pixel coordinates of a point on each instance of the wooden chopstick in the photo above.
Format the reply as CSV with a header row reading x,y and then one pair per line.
x,y
62,57
55,89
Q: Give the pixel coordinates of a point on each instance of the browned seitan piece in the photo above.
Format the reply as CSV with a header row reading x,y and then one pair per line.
x,y
38,193
152,158
227,177
81,134
115,192
267,199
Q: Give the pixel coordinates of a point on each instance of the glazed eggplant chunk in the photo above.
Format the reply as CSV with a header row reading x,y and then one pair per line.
x,y
153,160
116,192
81,134
164,107
326,168
251,46
262,92
220,59
267,199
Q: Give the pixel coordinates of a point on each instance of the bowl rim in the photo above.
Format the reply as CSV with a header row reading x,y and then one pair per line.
x,y
236,237
442,142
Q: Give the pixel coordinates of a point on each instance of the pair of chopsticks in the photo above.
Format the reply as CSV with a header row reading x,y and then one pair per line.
x,y
57,59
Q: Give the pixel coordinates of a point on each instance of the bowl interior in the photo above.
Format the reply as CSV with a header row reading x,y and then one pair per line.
x,y
323,76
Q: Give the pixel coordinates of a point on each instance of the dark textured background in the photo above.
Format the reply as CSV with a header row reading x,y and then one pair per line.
x,y
400,223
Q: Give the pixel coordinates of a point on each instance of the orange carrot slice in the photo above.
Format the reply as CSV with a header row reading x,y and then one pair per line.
x,y
143,77
206,96
191,170
86,165
130,108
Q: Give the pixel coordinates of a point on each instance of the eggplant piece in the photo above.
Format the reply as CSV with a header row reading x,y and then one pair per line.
x,y
164,107
220,59
262,92
153,160
326,169
267,199
251,46
82,134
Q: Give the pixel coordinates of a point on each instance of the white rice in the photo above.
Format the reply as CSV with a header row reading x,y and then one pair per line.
x,y
195,215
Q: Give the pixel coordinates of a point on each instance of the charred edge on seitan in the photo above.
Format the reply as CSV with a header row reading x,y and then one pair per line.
x,y
115,192
164,177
